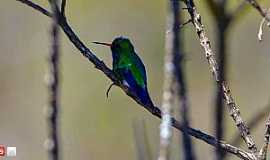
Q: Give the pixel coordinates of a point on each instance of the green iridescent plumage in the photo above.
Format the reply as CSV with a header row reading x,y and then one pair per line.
x,y
129,68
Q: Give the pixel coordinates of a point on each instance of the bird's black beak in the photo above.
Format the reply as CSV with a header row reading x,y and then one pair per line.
x,y
101,43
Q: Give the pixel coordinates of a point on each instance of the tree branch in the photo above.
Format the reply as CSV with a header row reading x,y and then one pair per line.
x,y
180,80
152,109
53,85
63,7
36,7
263,150
232,106
174,84
252,123
168,86
262,11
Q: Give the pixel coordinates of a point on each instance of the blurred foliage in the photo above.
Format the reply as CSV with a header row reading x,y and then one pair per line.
x,y
93,127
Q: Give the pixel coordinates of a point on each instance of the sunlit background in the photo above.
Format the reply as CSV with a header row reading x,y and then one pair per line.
x,y
92,126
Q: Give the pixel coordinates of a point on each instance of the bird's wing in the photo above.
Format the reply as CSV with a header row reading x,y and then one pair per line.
x,y
138,70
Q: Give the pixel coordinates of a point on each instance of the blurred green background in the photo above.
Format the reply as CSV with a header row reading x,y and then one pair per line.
x,y
96,128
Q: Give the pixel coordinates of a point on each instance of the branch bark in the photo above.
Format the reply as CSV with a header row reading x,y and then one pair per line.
x,y
262,11
53,86
256,119
263,150
232,106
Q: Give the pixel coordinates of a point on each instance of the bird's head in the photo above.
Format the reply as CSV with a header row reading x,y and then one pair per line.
x,y
120,45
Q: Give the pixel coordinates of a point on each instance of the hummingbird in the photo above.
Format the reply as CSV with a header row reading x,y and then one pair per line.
x,y
129,68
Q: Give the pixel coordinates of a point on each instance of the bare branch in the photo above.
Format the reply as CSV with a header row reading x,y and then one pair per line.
x,y
180,80
262,11
232,106
53,85
180,26
168,95
63,7
36,7
152,109
263,150
185,23
213,141
252,123
174,85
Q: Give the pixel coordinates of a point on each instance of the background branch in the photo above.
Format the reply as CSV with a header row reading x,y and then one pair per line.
x,y
180,87
174,85
222,22
53,86
168,91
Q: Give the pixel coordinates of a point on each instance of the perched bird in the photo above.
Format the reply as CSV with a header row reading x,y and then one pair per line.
x,y
129,68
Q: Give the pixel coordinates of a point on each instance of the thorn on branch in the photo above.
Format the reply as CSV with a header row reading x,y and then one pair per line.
x,y
181,25
187,22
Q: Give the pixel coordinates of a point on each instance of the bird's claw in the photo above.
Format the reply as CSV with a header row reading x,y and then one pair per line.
x,y
108,90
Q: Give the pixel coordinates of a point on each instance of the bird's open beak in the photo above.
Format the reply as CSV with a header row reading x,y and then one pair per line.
x,y
105,44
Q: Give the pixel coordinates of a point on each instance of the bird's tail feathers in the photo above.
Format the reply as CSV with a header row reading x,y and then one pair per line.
x,y
144,96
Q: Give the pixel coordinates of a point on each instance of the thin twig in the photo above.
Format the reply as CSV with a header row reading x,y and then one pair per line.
x,y
152,109
53,85
185,23
36,7
262,11
232,106
263,150
180,26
